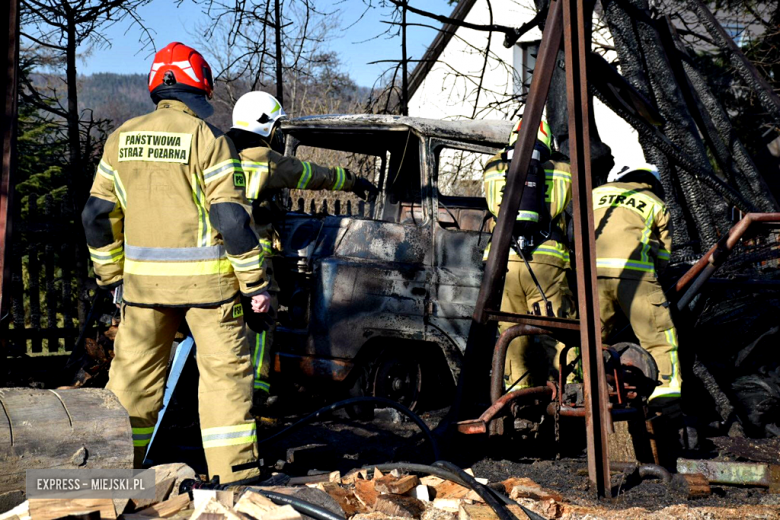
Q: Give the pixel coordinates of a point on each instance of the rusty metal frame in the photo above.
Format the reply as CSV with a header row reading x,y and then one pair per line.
x,y
10,54
565,24
702,270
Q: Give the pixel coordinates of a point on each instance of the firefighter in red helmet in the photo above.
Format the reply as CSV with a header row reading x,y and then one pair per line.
x,y
168,224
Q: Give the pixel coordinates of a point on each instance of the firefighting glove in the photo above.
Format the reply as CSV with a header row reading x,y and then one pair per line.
x,y
365,190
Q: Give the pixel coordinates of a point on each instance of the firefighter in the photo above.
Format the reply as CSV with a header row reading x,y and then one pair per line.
x,y
539,236
633,243
168,224
260,144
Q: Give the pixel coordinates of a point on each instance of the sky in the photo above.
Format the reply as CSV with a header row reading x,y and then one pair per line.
x,y
355,41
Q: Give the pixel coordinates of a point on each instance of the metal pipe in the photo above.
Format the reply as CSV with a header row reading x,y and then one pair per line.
x,y
499,356
720,251
537,391
696,286
645,470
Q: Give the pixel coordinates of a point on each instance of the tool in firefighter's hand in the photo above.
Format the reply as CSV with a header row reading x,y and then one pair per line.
x,y
518,245
117,295
365,190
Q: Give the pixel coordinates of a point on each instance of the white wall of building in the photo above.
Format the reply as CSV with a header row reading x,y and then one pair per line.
x,y
449,89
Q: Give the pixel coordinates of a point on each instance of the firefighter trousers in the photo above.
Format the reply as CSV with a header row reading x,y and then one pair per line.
x,y
261,340
645,306
532,360
137,377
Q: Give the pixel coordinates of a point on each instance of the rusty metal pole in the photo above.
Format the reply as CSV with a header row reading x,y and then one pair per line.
x,y
597,416
10,54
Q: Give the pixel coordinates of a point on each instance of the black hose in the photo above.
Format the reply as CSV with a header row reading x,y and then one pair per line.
x,y
444,471
356,400
302,506
484,492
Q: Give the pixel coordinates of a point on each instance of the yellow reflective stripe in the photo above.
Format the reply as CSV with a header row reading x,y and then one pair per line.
x,y
146,429
528,215
340,177
142,436
105,170
619,263
258,359
552,251
120,190
204,225
141,442
229,435
253,172
245,427
558,174
646,236
303,181
494,176
266,247
106,257
200,268
671,338
230,442
246,265
663,254
220,170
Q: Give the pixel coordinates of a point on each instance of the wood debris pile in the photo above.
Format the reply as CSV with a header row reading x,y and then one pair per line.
x,y
359,495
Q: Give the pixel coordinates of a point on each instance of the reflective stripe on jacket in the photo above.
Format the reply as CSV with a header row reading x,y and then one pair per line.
x,y
633,231
557,196
267,170
165,180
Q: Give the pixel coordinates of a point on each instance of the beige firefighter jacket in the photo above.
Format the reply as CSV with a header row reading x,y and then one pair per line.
x,y
633,231
267,170
557,196
168,214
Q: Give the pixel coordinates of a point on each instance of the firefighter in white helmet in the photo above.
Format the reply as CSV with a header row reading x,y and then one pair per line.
x,y
633,244
260,144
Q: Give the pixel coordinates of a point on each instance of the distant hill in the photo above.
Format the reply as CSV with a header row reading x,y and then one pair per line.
x,y
117,97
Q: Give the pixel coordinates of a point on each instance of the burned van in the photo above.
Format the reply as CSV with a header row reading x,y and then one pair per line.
x,y
376,299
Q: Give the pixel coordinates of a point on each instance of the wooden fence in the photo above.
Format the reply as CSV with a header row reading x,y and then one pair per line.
x,y
50,282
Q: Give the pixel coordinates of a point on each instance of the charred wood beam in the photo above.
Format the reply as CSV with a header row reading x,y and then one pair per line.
x,y
746,70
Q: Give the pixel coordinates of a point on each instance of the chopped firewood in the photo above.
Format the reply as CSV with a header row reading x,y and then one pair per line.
x,y
432,481
527,488
333,476
345,498
691,485
434,513
374,515
421,492
485,512
365,492
168,508
378,474
162,489
396,486
449,489
211,509
399,505
200,496
51,508
352,476
254,505
257,506
511,482
451,505
20,512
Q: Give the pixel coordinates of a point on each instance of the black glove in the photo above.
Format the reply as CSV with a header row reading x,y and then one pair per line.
x,y
365,190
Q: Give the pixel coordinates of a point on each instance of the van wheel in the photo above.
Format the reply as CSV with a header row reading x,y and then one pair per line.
x,y
399,378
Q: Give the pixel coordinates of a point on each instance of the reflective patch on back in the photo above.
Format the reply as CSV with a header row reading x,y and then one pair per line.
x,y
155,147
238,310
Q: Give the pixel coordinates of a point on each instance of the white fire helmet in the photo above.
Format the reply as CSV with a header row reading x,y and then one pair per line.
x,y
616,174
257,112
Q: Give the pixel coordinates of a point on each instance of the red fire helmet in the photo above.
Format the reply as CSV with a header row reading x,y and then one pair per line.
x,y
182,68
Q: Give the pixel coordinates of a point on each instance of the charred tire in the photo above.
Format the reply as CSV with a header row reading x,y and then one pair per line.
x,y
393,374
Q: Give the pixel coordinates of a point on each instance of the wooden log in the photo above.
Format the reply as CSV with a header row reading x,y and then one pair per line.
x,y
399,505
64,429
691,485
54,508
396,486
